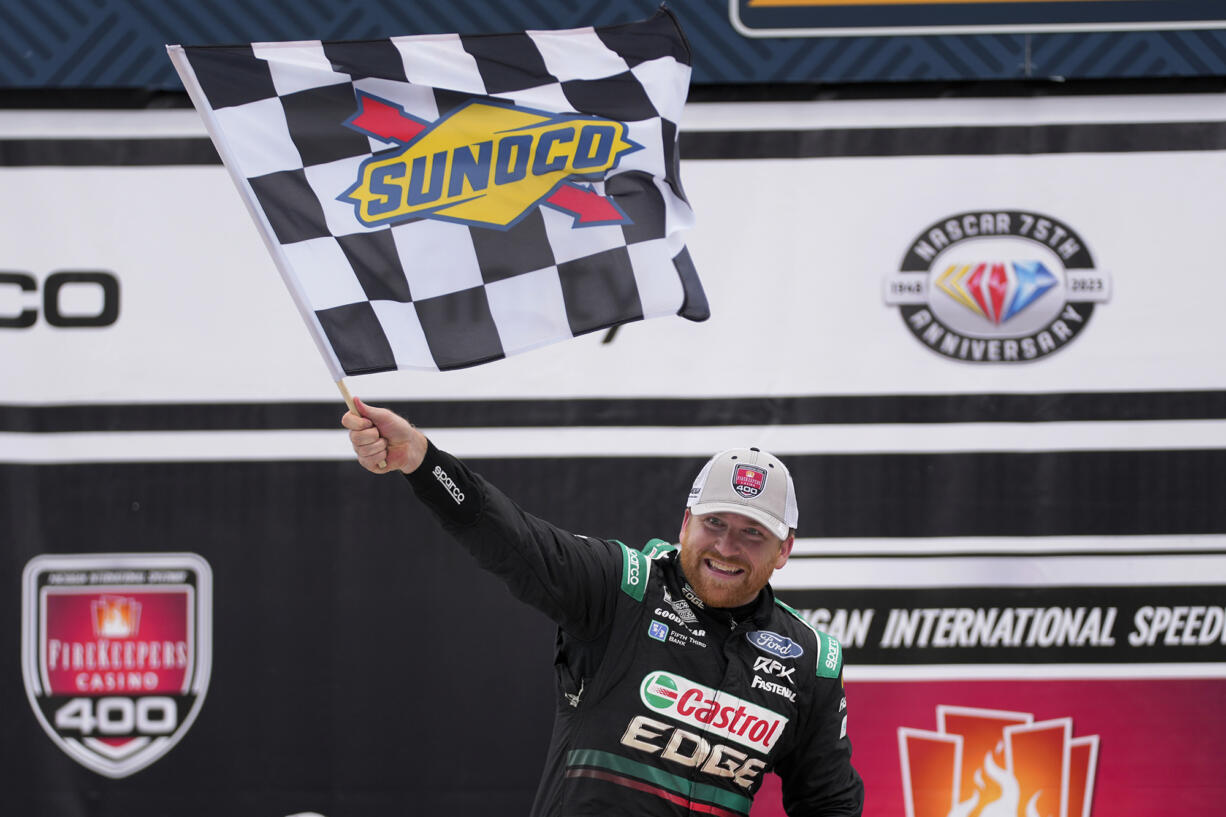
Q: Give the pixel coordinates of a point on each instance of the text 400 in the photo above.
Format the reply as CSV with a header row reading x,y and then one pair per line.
x,y
152,715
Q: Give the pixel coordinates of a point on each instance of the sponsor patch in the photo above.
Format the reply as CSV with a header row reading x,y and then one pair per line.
x,y
997,287
485,164
712,712
448,483
770,666
658,630
748,480
692,597
758,682
116,653
775,644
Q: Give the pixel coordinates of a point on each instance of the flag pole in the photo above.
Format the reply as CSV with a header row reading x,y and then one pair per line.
x,y
340,384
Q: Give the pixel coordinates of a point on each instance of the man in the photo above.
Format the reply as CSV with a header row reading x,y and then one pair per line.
x,y
681,679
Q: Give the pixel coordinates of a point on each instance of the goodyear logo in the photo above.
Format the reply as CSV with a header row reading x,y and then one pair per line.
x,y
484,163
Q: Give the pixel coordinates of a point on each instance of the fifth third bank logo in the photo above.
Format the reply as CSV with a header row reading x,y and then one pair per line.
x,y
992,763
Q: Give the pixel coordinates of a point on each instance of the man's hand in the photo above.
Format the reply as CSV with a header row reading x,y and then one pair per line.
x,y
383,440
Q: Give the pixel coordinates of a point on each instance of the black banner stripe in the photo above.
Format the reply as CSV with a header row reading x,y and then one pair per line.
x,y
107,152
1036,553
660,412
1073,493
965,140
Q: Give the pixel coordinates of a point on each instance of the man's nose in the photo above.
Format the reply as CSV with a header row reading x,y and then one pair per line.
x,y
725,543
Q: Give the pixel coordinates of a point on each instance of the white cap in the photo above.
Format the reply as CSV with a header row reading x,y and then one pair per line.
x,y
749,482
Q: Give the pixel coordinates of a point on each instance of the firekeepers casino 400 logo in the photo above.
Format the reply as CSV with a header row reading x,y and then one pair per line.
x,y
1006,286
116,653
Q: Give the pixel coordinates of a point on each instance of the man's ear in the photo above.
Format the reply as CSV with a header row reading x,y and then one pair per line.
x,y
785,550
685,520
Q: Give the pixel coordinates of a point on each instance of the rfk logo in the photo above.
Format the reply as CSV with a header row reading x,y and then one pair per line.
x,y
991,763
116,653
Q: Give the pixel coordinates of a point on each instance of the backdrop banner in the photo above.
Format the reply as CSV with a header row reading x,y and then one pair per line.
x,y
984,335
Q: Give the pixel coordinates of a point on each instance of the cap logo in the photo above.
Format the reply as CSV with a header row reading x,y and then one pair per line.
x,y
748,480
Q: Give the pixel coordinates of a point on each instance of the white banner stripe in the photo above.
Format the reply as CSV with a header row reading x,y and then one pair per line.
x,y
910,546
489,443
1002,571
1029,672
716,116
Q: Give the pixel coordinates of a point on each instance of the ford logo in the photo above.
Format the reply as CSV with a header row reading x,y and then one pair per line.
x,y
775,644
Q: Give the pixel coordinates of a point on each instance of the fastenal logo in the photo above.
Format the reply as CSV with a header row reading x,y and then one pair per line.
x,y
710,711
997,287
116,653
990,762
484,164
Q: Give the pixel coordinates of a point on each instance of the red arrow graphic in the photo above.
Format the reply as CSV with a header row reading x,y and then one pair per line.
x,y
587,206
384,120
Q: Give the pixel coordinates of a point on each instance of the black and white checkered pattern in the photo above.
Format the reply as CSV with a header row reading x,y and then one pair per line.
x,y
437,294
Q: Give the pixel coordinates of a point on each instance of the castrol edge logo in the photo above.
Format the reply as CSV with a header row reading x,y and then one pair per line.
x,y
714,712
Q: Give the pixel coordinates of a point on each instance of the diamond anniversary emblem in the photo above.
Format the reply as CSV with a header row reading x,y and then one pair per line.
x,y
116,653
1005,286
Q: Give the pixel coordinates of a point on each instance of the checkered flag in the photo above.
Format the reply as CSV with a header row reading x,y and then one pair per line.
x,y
442,201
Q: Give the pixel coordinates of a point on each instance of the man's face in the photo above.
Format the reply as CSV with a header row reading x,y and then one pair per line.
x,y
727,558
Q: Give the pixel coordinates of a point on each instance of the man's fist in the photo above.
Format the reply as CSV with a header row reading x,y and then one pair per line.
x,y
383,440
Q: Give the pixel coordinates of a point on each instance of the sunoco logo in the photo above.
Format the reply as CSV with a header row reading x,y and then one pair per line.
x,y
116,653
484,164
710,711
997,286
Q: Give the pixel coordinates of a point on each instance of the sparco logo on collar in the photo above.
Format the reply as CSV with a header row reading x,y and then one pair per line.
x,y
748,480
712,712
116,653
775,644
1002,286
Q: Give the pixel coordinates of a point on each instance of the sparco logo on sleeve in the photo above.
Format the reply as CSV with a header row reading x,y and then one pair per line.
x,y
997,287
445,480
116,653
712,712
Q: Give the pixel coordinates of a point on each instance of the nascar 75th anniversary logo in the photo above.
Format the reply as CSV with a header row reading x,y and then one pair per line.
x,y
116,653
1005,286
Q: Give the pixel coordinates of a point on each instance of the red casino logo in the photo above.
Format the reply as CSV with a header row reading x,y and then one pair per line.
x,y
116,653
993,763
748,480
997,287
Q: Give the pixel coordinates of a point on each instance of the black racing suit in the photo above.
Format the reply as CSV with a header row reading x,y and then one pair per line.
x,y
665,706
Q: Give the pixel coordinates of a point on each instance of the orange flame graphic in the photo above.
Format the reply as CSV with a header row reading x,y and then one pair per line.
x,y
992,763
115,616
